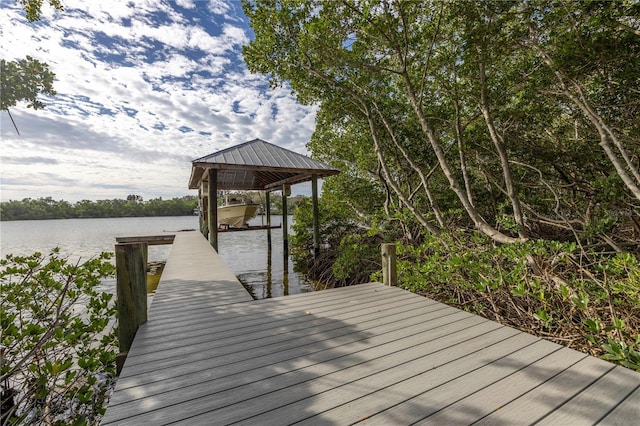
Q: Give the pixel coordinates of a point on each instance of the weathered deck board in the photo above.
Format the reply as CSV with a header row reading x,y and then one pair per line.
x,y
151,240
592,403
252,367
370,353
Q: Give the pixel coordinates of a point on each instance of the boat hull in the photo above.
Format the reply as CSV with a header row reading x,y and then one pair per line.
x,y
236,215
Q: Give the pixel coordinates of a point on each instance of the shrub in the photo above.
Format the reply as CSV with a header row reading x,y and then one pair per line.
x,y
58,341
589,301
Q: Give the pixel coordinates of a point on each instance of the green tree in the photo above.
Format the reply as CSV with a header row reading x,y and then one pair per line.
x,y
461,126
454,108
136,198
48,208
33,8
24,80
87,208
588,48
375,57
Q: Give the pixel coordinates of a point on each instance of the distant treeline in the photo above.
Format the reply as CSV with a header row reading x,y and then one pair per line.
x,y
132,206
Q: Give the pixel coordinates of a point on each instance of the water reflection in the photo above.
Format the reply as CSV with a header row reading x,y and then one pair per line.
x,y
264,274
82,239
264,284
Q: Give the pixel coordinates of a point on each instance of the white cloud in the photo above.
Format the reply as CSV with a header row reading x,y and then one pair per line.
x,y
143,87
187,4
218,7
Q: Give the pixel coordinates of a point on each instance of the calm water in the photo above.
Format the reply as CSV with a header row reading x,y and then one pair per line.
x,y
244,252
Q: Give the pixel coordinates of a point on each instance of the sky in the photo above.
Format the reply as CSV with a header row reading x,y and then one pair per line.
x,y
143,88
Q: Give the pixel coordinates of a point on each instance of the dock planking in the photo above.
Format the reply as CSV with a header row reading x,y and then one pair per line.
x,y
367,354
149,239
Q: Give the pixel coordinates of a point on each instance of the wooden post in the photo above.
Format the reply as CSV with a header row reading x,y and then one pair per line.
x,y
389,271
201,223
213,208
285,226
285,282
268,212
269,273
316,218
131,273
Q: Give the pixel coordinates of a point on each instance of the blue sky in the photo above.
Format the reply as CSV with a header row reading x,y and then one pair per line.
x,y
143,88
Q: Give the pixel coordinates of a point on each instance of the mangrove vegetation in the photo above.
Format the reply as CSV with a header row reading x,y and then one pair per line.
x,y
497,143
132,206
58,342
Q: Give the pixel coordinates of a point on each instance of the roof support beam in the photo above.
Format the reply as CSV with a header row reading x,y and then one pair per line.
x,y
289,181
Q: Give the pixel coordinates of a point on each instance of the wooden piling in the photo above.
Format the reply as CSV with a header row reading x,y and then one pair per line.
x,y
268,213
213,208
389,270
316,217
131,274
285,226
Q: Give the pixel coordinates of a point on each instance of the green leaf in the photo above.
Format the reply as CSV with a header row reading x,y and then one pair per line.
x,y
592,325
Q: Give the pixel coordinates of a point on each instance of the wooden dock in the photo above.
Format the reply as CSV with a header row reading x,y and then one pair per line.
x,y
368,353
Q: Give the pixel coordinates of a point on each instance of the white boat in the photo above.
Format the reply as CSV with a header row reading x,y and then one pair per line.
x,y
235,212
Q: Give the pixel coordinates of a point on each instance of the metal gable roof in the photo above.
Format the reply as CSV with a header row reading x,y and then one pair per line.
x,y
257,165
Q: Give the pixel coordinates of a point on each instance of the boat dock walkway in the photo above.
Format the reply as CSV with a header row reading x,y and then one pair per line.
x,y
212,355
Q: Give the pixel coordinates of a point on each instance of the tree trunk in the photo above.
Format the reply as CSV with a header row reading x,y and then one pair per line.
x,y
502,152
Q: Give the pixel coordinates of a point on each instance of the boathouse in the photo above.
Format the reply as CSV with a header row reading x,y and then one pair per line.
x,y
255,165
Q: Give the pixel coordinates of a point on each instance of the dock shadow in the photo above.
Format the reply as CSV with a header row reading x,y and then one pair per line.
x,y
241,361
